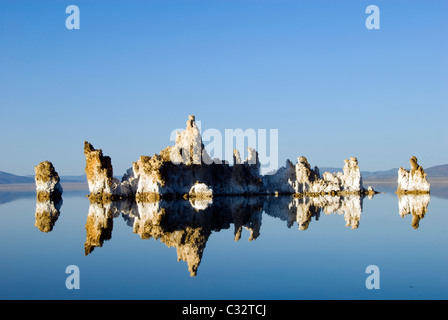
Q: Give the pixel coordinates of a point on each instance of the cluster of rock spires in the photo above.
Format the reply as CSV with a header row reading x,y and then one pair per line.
x,y
187,224
186,170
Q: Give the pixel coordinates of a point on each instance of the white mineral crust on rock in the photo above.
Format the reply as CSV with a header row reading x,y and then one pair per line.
x,y
306,180
189,148
200,190
351,179
47,180
413,181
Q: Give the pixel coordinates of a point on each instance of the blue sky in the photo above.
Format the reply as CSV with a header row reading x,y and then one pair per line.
x,y
135,70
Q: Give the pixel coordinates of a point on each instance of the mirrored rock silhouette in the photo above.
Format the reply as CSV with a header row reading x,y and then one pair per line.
x,y
99,224
303,209
414,204
47,213
187,224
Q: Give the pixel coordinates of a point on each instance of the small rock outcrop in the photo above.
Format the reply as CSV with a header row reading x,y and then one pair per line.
x,y
200,190
47,180
413,181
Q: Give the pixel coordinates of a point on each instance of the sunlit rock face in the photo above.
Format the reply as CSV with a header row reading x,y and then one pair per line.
x,y
99,173
413,181
414,204
189,148
351,180
47,213
47,180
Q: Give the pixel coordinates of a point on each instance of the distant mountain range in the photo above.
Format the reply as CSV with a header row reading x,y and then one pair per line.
x,y
8,178
440,171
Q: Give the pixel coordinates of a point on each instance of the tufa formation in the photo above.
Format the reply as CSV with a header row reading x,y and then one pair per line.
x,y
47,180
413,181
186,170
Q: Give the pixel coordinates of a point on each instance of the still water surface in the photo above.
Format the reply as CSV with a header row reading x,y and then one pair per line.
x,y
235,248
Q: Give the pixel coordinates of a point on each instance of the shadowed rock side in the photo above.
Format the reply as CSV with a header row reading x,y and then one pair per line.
x,y
413,181
47,213
186,170
47,180
414,204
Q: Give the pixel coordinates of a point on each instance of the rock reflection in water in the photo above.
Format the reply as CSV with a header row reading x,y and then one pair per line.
x,y
414,204
303,209
47,213
186,227
99,224
187,224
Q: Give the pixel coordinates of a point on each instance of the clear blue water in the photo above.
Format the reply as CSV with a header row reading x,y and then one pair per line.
x,y
324,260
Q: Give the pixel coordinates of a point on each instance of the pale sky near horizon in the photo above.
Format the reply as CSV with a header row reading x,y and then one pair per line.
x,y
135,70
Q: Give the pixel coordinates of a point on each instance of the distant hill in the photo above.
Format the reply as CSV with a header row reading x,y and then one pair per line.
x,y
81,178
437,171
8,178
388,174
440,171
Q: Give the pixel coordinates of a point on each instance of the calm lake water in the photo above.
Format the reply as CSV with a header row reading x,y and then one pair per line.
x,y
234,248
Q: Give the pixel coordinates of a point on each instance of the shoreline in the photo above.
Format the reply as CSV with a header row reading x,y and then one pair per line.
x,y
17,187
437,182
